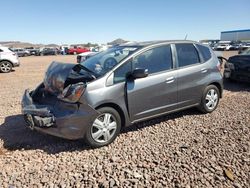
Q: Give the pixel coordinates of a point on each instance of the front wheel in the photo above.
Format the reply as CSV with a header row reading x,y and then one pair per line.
x,y
104,129
210,99
5,66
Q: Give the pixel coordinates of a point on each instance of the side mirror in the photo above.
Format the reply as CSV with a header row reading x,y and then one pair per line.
x,y
139,73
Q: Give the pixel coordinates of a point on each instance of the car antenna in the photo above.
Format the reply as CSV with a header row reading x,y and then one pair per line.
x,y
186,37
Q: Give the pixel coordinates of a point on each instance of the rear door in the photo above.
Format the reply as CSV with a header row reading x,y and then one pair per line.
x,y
192,74
157,93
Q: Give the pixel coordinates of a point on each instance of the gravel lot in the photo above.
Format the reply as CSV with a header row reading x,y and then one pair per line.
x,y
185,149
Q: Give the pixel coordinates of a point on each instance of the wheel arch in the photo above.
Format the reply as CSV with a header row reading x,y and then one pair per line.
x,y
219,86
7,60
117,108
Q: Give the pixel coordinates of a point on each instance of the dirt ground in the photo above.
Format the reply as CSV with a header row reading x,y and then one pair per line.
x,y
185,149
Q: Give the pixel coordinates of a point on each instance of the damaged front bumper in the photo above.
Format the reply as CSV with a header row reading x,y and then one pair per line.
x,y
56,117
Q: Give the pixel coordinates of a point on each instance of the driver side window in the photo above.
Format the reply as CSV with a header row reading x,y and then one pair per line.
x,y
155,60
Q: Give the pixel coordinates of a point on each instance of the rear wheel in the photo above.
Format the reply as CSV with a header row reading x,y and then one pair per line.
x,y
5,66
104,129
210,99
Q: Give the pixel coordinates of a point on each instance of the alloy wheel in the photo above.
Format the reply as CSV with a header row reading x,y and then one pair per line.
x,y
104,128
5,67
211,99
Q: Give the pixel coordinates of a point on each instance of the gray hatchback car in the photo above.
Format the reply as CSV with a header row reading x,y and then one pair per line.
x,y
121,86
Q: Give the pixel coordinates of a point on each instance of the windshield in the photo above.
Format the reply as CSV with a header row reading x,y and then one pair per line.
x,y
103,62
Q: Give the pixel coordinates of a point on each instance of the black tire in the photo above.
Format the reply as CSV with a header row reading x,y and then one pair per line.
x,y
5,67
115,116
203,107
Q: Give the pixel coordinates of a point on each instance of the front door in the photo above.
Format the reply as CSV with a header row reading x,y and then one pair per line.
x,y
157,93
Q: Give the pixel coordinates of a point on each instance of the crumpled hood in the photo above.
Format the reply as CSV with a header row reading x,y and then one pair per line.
x,y
56,76
60,75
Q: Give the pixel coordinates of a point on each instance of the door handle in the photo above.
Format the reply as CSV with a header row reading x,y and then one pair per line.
x,y
170,80
203,70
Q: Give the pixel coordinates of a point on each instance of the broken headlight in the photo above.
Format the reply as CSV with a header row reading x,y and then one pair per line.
x,y
72,92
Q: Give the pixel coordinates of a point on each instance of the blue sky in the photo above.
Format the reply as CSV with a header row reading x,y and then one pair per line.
x,y
79,21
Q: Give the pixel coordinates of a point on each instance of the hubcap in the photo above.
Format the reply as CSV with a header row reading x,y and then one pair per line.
x,y
211,99
5,67
103,128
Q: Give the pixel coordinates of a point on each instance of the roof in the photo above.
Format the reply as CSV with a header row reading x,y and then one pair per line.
x,y
149,43
236,31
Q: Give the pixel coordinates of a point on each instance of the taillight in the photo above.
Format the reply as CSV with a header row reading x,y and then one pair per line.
x,y
219,66
72,92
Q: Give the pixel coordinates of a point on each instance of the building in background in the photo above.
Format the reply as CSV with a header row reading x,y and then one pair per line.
x,y
236,35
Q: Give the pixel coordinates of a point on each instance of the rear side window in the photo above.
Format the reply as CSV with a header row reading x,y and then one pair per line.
x,y
155,60
187,55
1,50
205,52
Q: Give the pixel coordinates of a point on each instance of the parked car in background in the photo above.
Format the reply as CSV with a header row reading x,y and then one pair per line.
x,y
243,50
93,50
64,49
243,47
21,52
33,51
220,47
49,51
77,50
8,59
232,47
84,56
121,86
238,67
212,45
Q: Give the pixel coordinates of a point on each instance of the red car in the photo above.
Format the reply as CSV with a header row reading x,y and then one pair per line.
x,y
77,50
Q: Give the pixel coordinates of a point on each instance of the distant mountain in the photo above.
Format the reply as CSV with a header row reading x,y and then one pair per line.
x,y
117,41
8,42
51,45
85,44
19,44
